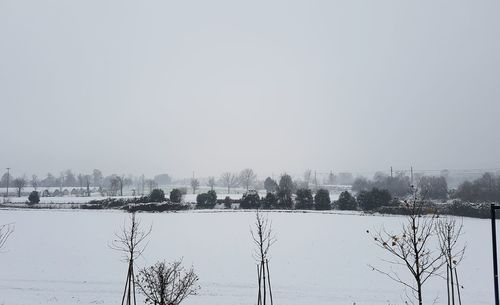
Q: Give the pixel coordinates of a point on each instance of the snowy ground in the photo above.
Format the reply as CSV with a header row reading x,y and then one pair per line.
x,y
62,257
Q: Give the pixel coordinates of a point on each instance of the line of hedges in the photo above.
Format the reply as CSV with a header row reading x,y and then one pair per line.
x,y
456,208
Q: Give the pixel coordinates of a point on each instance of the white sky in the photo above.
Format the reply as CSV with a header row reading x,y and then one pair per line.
x,y
210,86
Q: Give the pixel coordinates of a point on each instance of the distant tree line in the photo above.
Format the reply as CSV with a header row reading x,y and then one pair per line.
x,y
484,189
400,185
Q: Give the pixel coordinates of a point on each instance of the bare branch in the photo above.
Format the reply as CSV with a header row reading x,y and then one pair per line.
x,y
167,284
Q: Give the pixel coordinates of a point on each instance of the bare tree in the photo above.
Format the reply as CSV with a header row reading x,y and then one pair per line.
x,y
411,249
87,179
130,241
229,180
449,232
121,182
263,238
81,180
5,231
19,183
211,182
195,183
35,181
114,185
247,177
167,284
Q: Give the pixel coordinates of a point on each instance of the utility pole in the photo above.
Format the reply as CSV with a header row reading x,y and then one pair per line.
x,y
411,174
142,184
495,262
391,172
8,179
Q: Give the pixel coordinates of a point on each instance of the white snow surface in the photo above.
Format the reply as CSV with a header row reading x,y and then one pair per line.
x,y
63,257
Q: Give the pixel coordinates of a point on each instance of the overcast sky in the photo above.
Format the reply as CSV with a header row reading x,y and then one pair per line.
x,y
211,86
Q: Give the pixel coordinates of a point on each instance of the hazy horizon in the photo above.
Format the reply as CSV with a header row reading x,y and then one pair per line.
x,y
280,86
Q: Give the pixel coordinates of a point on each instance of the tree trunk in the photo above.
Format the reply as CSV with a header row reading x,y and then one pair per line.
x,y
448,283
269,282
419,289
458,288
264,280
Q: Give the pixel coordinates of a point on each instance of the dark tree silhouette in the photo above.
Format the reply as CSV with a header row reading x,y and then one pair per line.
x,y
346,202
175,195
157,195
304,199
322,200
34,197
270,185
370,200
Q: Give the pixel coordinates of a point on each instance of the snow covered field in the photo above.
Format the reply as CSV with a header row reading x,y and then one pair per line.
x,y
62,257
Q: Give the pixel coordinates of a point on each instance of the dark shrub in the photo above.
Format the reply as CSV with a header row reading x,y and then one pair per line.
x,y
250,200
157,195
346,202
212,197
322,200
175,196
370,200
227,202
304,199
206,201
34,197
284,199
270,201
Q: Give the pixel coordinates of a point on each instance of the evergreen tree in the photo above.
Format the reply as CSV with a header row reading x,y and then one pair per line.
x,y
34,197
322,200
370,200
250,200
157,195
212,197
227,202
286,184
304,199
270,201
206,200
346,202
270,185
175,196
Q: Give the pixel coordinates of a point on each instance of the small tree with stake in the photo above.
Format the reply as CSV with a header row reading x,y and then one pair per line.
x,y
130,241
449,232
411,249
263,239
